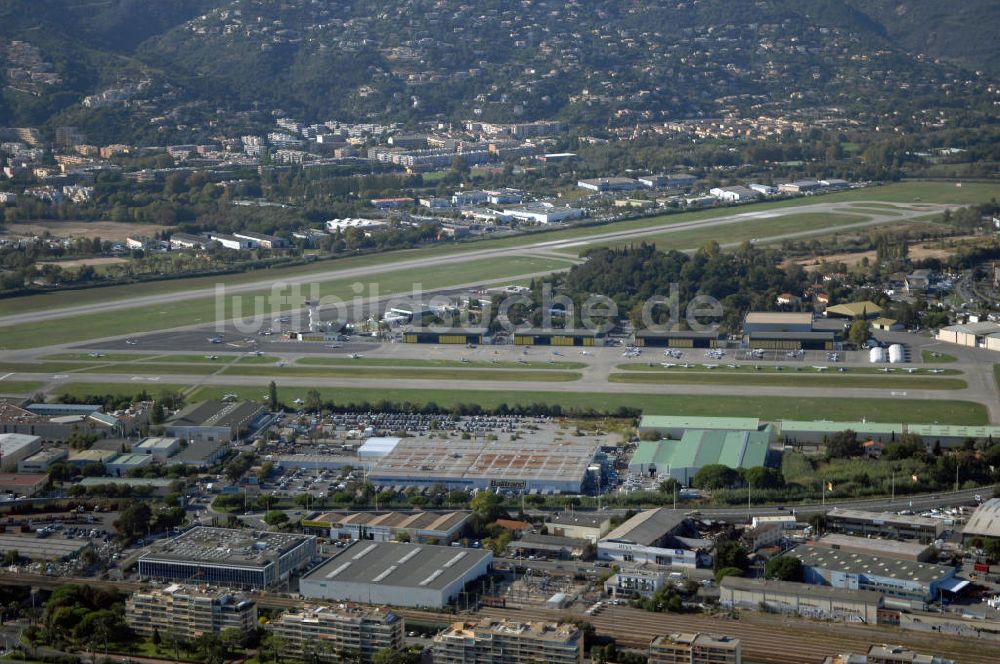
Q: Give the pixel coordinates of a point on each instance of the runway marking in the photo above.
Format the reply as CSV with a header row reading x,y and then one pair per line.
x,y
6,375
59,376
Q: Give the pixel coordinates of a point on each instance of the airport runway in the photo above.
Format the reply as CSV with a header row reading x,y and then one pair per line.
x,y
541,247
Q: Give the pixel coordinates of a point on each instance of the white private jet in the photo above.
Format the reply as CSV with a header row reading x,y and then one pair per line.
x,y
355,356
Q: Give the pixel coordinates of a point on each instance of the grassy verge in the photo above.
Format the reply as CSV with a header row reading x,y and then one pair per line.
x,y
20,386
915,411
410,362
933,357
407,374
788,379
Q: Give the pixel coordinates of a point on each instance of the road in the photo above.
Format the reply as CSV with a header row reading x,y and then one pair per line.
x,y
540,247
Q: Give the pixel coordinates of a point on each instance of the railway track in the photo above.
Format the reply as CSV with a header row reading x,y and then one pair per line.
x,y
766,639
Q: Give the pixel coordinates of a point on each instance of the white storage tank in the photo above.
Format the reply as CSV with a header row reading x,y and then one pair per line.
x,y
896,354
876,355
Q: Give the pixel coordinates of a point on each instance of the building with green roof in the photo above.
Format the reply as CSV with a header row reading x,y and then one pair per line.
x,y
815,431
681,459
674,426
950,435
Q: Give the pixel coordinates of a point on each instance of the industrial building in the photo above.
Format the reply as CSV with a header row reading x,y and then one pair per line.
x,y
771,330
590,526
160,448
866,310
525,462
16,447
972,335
671,426
23,484
654,536
696,648
123,464
681,460
544,213
603,185
83,458
807,600
330,633
416,527
449,336
984,522
229,557
878,547
492,641
33,420
558,337
418,575
818,431
676,339
900,579
200,453
952,435
188,612
884,524
548,546
215,421
40,461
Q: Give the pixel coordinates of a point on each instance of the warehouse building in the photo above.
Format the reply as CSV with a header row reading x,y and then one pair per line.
x,y
952,435
215,421
819,431
984,522
188,612
229,557
590,526
772,330
23,484
884,524
675,426
529,461
558,337
972,335
123,464
548,546
417,575
604,185
492,641
695,648
200,453
447,336
676,339
16,447
83,458
807,600
57,428
330,633
866,310
681,460
41,461
655,536
160,448
878,547
416,527
900,579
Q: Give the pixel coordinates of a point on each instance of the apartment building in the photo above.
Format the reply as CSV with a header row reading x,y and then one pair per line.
x,y
188,612
508,642
695,649
332,633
